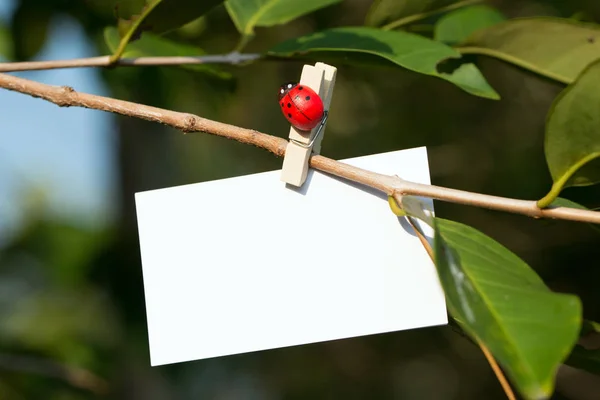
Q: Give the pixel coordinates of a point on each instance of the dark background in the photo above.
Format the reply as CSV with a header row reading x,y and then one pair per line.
x,y
84,286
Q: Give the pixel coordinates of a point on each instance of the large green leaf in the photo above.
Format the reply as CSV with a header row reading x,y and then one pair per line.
x,y
151,45
572,143
458,25
557,48
392,12
159,16
501,302
407,50
249,14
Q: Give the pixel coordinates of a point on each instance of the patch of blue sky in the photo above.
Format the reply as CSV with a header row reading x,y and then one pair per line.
x,y
66,152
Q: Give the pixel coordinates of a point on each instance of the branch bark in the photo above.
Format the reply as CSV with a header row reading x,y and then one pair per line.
x,y
105,61
65,96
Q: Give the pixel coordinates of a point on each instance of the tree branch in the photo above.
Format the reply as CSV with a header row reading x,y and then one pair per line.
x,y
65,96
498,372
105,61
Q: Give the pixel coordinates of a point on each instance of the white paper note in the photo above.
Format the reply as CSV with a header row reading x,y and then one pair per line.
x,y
246,264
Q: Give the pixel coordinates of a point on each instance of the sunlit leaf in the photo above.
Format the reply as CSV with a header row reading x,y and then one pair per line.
x,y
553,47
572,143
501,302
249,14
151,45
458,25
383,12
407,50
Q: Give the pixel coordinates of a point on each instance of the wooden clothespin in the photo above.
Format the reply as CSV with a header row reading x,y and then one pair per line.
x,y
321,79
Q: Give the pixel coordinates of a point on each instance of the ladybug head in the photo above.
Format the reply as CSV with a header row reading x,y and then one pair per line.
x,y
286,88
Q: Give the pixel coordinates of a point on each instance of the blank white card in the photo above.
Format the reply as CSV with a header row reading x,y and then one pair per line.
x,y
246,264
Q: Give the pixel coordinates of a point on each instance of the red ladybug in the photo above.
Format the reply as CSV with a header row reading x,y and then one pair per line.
x,y
301,106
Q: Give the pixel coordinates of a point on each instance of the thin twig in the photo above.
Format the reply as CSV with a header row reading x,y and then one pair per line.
x,y
498,372
105,61
75,376
422,238
65,96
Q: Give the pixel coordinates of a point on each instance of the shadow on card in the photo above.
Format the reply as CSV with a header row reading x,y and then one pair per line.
x,y
374,192
303,190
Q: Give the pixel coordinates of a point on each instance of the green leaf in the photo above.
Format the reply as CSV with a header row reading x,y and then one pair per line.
x,y
247,15
502,303
151,45
572,143
585,359
458,25
407,50
394,13
29,29
556,48
562,202
160,16
6,41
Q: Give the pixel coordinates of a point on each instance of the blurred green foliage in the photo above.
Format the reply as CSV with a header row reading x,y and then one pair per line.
x,y
73,296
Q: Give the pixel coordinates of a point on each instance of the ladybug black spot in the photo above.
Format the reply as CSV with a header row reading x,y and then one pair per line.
x,y
289,105
307,98
282,104
300,88
289,115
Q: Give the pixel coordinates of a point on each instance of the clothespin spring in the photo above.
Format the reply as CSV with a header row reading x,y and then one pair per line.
x,y
309,145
